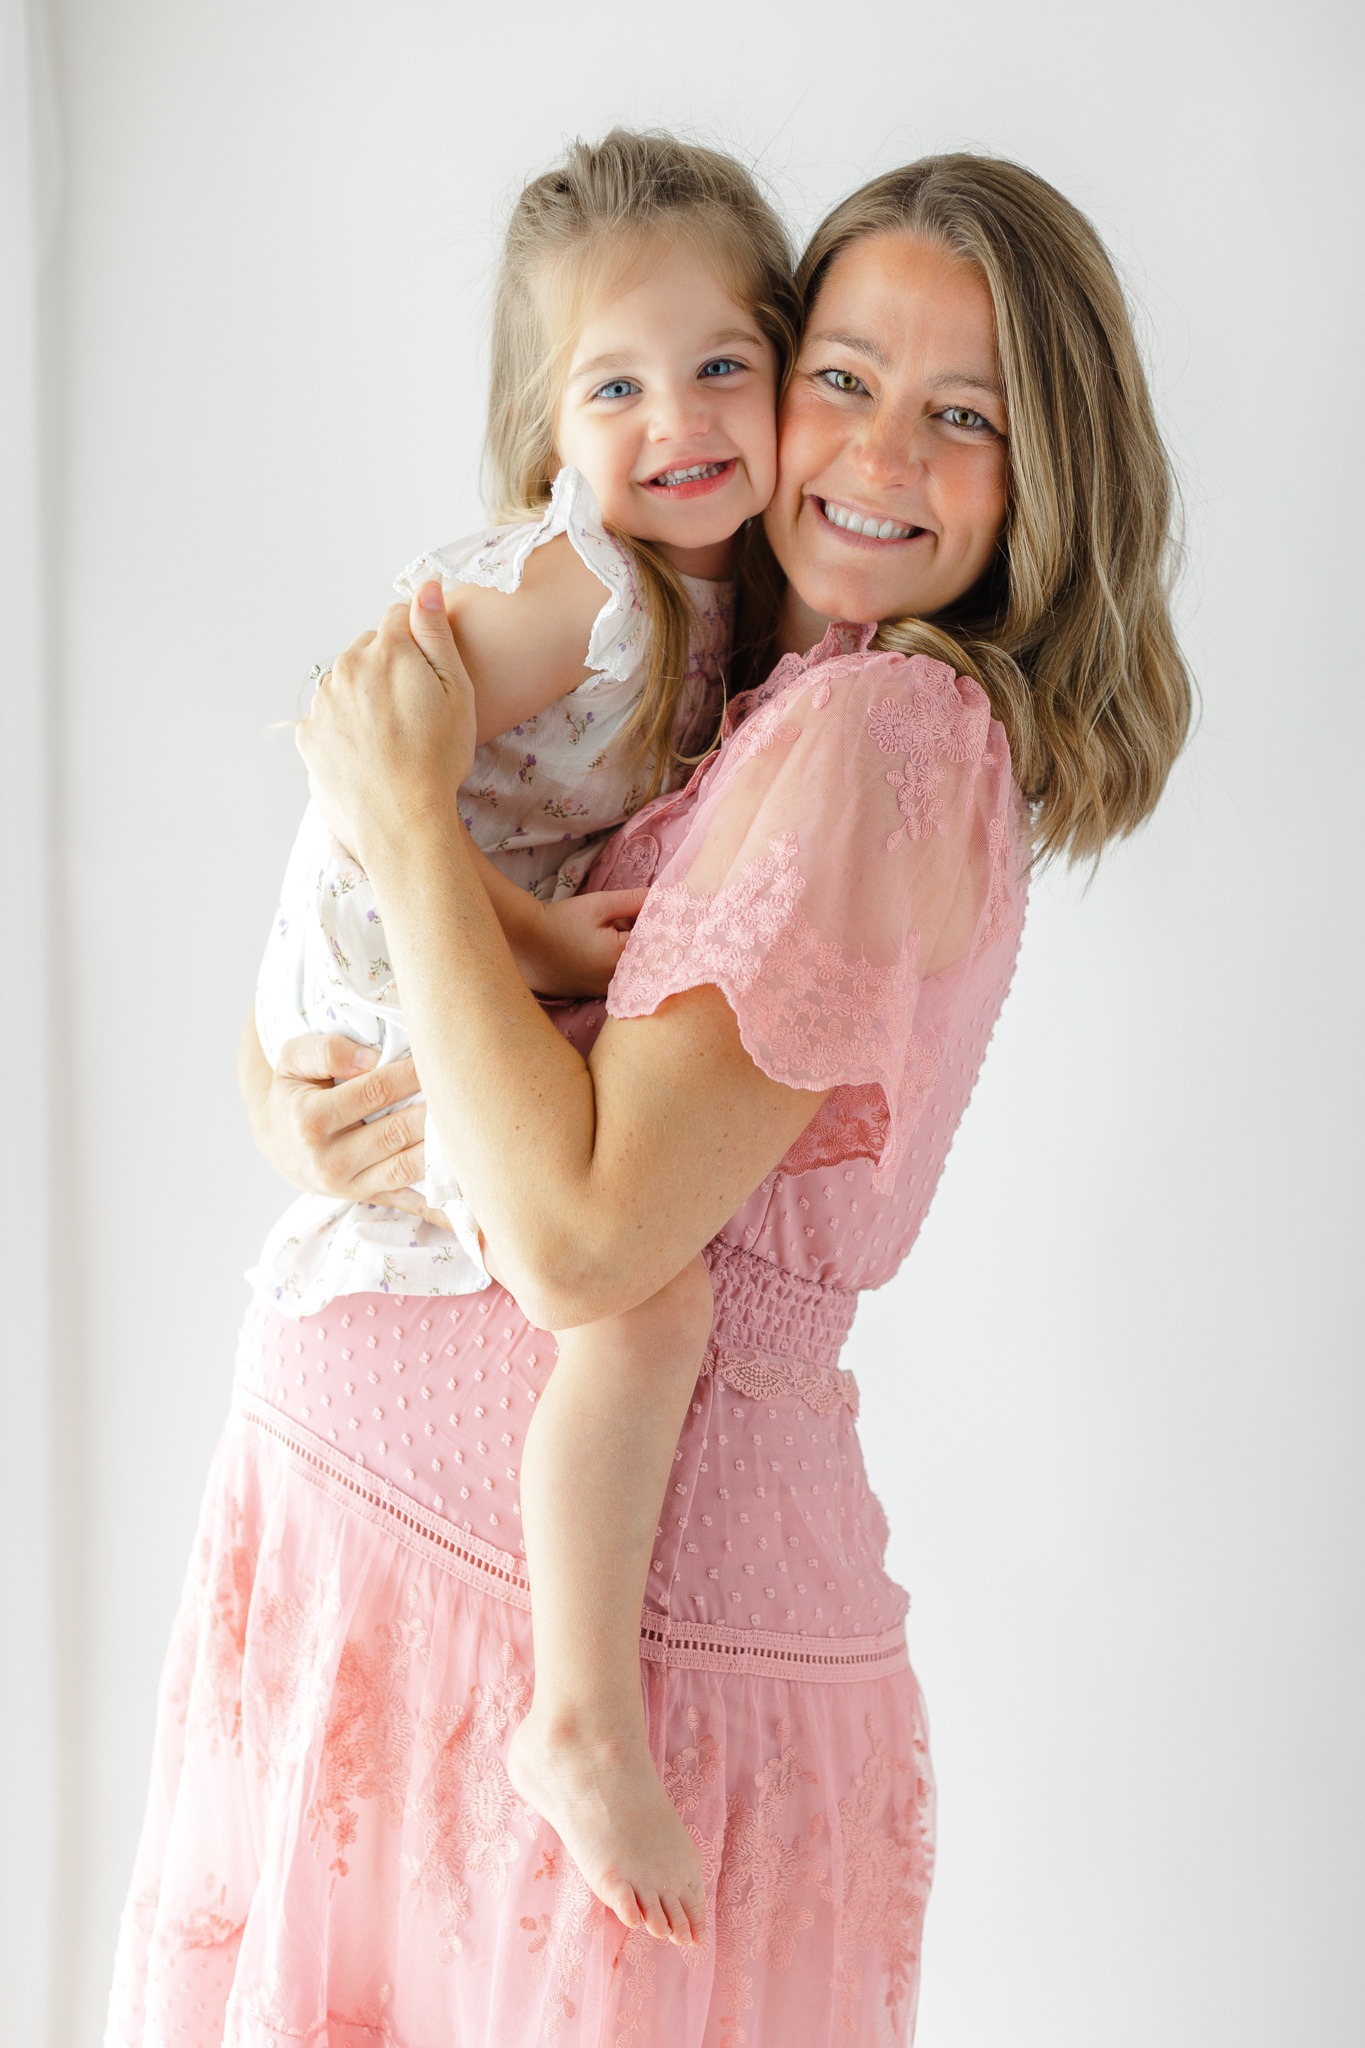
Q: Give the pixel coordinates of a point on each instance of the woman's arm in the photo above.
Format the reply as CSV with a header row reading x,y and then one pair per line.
x,y
594,1182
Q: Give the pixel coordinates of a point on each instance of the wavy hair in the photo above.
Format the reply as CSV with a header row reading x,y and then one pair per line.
x,y
576,236
1070,631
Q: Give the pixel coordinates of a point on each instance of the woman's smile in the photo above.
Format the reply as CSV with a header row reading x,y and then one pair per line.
x,y
863,528
892,469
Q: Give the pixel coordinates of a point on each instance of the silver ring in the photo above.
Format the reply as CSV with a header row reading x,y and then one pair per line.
x,y
317,672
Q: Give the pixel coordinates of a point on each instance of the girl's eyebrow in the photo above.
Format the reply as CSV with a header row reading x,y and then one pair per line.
x,y
616,362
621,361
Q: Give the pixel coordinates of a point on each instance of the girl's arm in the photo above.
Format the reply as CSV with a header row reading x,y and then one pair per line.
x,y
594,1182
525,650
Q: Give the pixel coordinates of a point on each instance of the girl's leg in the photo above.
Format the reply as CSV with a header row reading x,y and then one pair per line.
x,y
594,1469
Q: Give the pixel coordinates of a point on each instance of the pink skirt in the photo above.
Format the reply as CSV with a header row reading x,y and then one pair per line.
x,y
333,1852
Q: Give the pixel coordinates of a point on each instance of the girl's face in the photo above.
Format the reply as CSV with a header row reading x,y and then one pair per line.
x,y
670,413
891,487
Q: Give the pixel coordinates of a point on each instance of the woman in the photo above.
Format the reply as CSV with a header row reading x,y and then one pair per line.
x,y
969,464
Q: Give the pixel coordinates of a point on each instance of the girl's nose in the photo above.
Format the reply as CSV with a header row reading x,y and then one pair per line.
x,y
680,415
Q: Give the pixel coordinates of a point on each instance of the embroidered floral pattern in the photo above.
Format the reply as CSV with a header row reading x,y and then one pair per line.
x,y
929,725
887,1868
808,1013
469,1806
369,1737
756,1917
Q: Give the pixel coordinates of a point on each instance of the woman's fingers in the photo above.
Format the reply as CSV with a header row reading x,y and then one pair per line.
x,y
383,1180
430,628
367,1095
369,1147
323,1056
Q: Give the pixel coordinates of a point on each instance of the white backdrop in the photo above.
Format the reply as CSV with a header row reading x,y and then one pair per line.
x,y
1113,1404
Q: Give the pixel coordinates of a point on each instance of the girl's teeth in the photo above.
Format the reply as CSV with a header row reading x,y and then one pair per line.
x,y
687,476
852,522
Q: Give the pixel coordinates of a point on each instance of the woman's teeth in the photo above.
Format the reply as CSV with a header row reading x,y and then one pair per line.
x,y
689,476
851,522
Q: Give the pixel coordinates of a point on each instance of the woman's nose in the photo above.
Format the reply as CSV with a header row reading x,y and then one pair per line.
x,y
887,451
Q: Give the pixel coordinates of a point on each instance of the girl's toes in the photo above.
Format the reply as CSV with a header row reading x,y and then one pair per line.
x,y
679,1926
621,1900
694,1905
656,1920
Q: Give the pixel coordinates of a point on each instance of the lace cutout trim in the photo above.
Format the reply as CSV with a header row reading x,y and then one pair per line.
x,y
754,1653
429,1536
687,1645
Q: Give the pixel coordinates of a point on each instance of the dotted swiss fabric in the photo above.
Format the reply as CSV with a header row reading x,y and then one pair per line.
x,y
333,1849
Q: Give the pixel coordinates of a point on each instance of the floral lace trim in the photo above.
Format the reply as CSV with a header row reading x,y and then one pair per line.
x,y
760,1377
930,726
689,1645
808,1015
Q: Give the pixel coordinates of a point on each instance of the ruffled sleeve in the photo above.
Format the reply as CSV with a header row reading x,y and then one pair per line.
x,y
496,560
856,849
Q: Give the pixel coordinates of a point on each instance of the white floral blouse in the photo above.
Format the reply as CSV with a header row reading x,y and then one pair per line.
x,y
540,801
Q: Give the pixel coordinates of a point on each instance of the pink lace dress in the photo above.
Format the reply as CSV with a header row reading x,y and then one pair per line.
x,y
333,1852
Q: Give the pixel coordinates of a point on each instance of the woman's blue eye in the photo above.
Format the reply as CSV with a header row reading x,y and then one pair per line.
x,y
720,366
842,380
619,387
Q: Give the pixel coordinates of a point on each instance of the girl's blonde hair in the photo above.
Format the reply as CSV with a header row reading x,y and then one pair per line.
x,y
1070,630
577,235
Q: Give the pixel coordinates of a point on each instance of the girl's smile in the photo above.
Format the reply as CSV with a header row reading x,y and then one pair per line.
x,y
669,411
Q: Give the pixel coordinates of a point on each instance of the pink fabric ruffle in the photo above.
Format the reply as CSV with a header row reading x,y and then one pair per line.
x,y
333,1851
855,844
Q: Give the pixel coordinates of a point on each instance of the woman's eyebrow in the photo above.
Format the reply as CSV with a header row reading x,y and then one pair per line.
x,y
968,379
858,343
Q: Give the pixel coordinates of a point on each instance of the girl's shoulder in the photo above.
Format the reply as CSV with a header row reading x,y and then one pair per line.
x,y
495,558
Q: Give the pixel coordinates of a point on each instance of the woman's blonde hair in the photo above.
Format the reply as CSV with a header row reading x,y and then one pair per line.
x,y
576,236
1070,630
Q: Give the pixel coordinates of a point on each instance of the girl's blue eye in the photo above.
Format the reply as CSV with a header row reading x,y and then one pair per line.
x,y
842,380
720,366
619,387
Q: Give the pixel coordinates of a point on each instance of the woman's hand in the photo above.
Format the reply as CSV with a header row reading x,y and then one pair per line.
x,y
308,1117
390,734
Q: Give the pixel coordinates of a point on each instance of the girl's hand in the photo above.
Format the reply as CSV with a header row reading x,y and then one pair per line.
x,y
390,733
571,948
308,1117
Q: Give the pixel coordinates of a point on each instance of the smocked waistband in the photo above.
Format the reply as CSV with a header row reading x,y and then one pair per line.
x,y
762,1307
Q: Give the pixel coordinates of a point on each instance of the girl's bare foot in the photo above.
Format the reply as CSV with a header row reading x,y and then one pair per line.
x,y
602,1795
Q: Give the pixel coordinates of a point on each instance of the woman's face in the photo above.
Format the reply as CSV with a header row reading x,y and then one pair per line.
x,y
891,472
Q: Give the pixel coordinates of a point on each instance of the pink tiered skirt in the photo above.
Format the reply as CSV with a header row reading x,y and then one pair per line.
x,y
333,1852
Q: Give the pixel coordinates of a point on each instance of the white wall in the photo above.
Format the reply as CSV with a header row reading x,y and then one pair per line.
x,y
1114,1401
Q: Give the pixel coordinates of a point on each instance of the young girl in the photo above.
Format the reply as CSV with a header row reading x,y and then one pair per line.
x,y
643,320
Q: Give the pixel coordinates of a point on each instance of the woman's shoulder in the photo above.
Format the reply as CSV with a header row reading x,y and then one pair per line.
x,y
862,712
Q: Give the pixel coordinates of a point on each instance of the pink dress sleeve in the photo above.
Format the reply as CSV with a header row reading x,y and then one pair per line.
x,y
856,847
